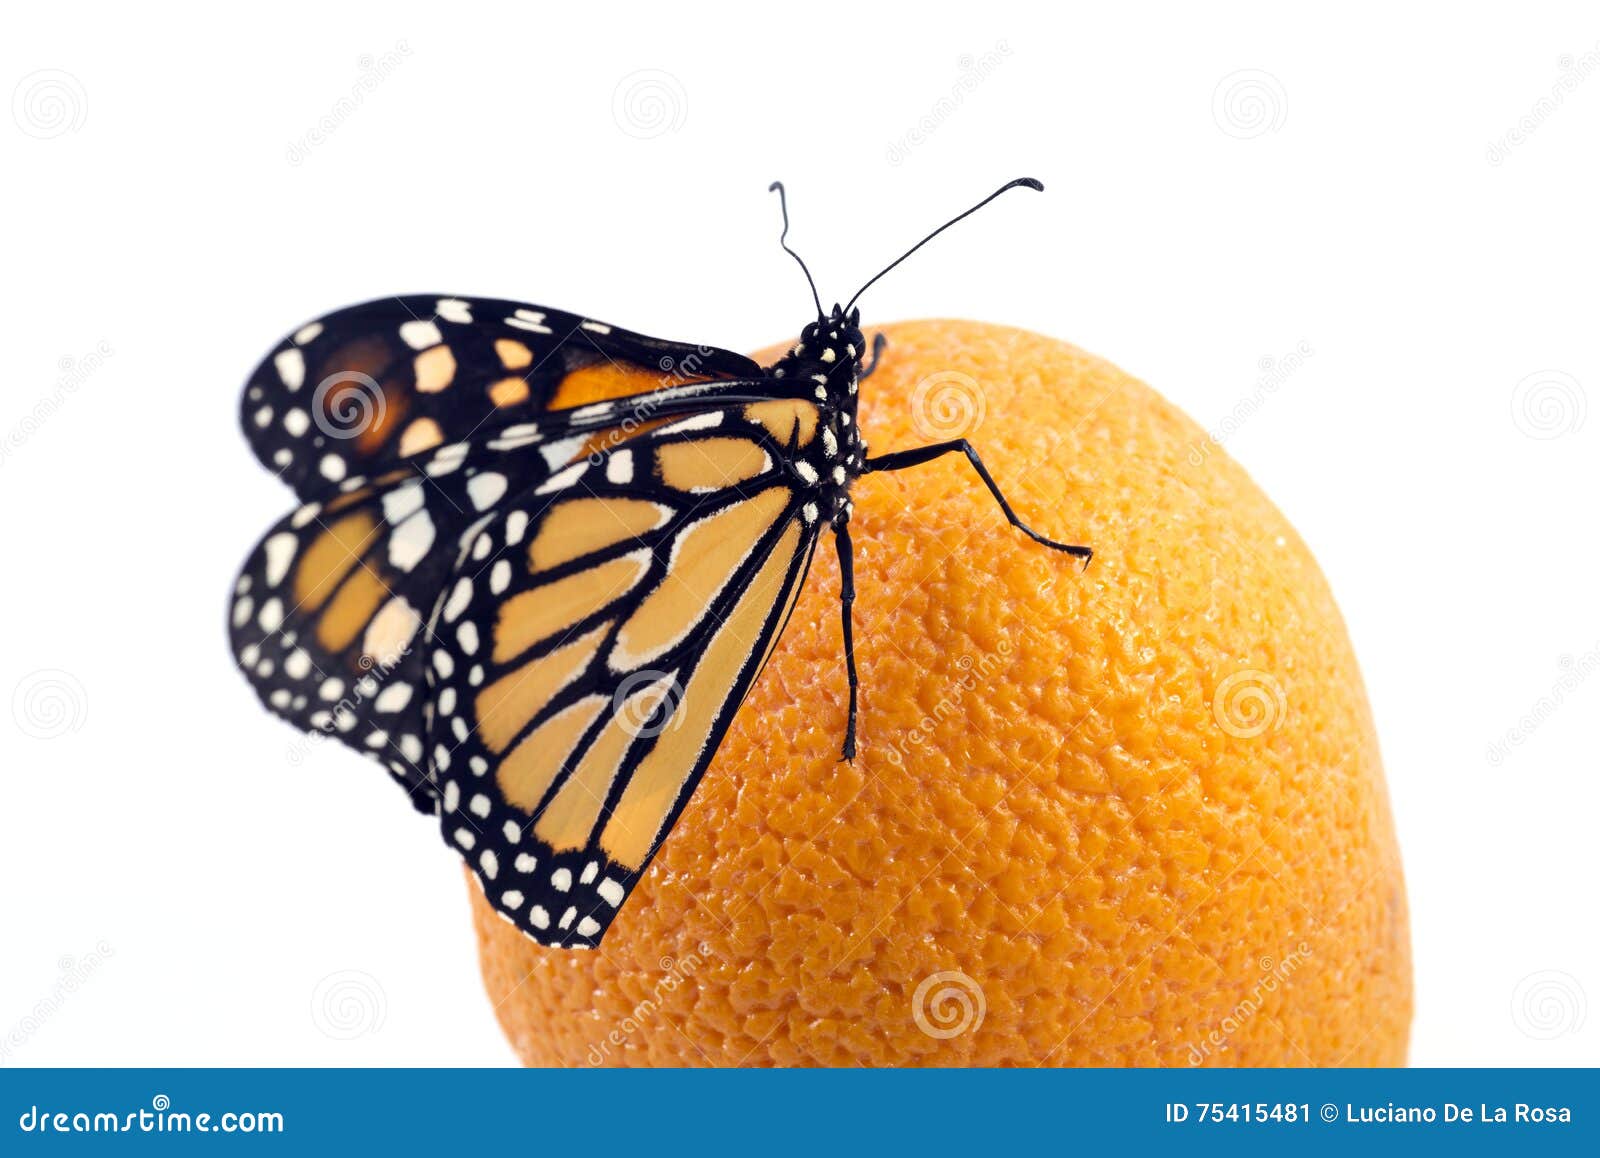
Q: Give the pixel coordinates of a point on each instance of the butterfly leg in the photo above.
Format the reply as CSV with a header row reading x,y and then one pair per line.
x,y
847,598
904,459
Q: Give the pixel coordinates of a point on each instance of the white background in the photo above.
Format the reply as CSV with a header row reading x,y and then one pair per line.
x,y
1223,187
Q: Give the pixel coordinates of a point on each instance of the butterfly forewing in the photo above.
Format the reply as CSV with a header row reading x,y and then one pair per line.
x,y
592,647
365,387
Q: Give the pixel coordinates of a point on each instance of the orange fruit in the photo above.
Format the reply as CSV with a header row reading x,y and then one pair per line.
x,y
1133,815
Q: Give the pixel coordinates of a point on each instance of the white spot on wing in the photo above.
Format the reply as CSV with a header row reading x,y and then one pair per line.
x,y
446,459
460,596
393,698
563,479
402,502
485,489
411,541
280,552
516,437
291,366
560,452
500,576
696,422
454,310
531,320
419,335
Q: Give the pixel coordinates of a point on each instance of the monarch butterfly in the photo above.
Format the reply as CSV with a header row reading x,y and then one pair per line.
x,y
540,616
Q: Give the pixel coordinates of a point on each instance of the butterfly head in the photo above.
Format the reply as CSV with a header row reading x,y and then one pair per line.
x,y
829,353
834,339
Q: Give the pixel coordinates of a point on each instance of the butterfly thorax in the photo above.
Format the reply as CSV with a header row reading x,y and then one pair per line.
x,y
828,358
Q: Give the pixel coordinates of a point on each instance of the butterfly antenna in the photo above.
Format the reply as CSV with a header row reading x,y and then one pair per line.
x,y
783,240
1027,182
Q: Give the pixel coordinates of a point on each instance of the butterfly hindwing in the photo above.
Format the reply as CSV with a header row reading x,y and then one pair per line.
x,y
592,647
370,385
329,614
